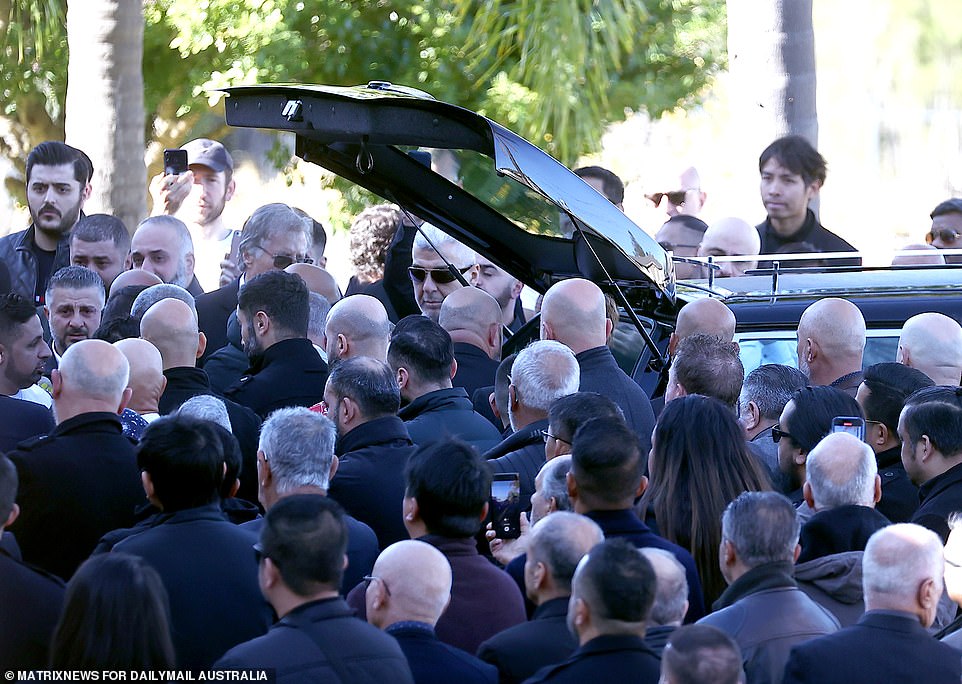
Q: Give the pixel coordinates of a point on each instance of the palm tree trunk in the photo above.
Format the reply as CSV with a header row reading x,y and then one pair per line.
x,y
105,102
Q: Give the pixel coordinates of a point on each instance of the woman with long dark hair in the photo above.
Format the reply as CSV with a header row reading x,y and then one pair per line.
x,y
115,616
699,462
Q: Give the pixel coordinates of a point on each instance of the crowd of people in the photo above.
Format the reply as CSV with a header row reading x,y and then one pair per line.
x,y
214,460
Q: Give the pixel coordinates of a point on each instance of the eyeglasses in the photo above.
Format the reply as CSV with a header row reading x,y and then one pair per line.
x,y
282,261
371,578
676,197
545,434
442,276
674,246
946,235
778,433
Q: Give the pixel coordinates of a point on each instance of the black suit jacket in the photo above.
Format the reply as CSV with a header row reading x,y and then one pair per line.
x,y
600,373
76,484
881,647
322,641
210,573
941,497
31,601
288,373
448,412
369,482
434,662
900,498
608,658
22,420
185,383
475,368
524,649
213,310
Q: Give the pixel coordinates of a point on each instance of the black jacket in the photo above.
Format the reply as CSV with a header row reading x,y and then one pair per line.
x,y
882,646
369,482
837,530
524,649
76,484
31,601
475,368
900,498
288,373
22,420
607,658
447,413
811,232
523,453
766,614
185,383
940,497
322,641
16,252
434,662
600,373
209,570
213,310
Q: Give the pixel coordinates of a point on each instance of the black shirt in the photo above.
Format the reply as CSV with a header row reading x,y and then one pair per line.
x,y
44,266
812,232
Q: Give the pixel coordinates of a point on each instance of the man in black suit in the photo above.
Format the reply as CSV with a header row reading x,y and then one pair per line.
x,y
573,313
31,598
557,543
81,480
373,446
611,596
544,372
205,561
422,355
407,592
274,237
273,311
472,318
296,456
171,326
22,420
902,575
317,637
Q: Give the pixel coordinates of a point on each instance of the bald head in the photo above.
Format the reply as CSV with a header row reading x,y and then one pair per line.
x,y
171,327
318,280
704,317
919,254
671,588
135,276
902,570
413,583
932,343
92,376
357,326
573,313
731,236
163,246
831,339
840,471
472,315
146,376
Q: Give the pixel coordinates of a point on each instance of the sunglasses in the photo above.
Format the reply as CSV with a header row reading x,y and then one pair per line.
x,y
778,433
676,197
282,261
946,235
441,276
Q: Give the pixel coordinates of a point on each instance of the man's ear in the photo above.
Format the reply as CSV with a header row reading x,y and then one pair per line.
x,y
85,193
189,262
271,575
672,343
928,594
512,396
572,484
334,463
539,573
402,378
546,331
201,344
262,322
342,345
149,490
56,383
124,400
752,416
878,489
494,406
454,367
14,514
484,511
642,486
493,337
348,409
796,553
410,509
807,495
229,190
902,356
928,449
472,275
812,349
728,554
516,289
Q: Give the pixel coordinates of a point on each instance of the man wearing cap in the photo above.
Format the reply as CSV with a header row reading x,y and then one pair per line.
x,y
198,197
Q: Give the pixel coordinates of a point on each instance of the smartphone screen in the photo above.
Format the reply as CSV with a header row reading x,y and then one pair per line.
x,y
853,425
175,162
505,505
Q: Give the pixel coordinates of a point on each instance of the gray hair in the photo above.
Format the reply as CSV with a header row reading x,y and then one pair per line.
x,y
671,587
898,558
75,278
544,371
554,484
762,526
560,541
841,474
771,386
460,255
318,315
75,369
206,407
155,293
299,444
274,219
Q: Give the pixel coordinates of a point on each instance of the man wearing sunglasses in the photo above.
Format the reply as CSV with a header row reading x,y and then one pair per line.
x,y
437,259
688,199
946,228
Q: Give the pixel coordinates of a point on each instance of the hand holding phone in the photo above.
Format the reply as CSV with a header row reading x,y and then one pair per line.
x,y
505,505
